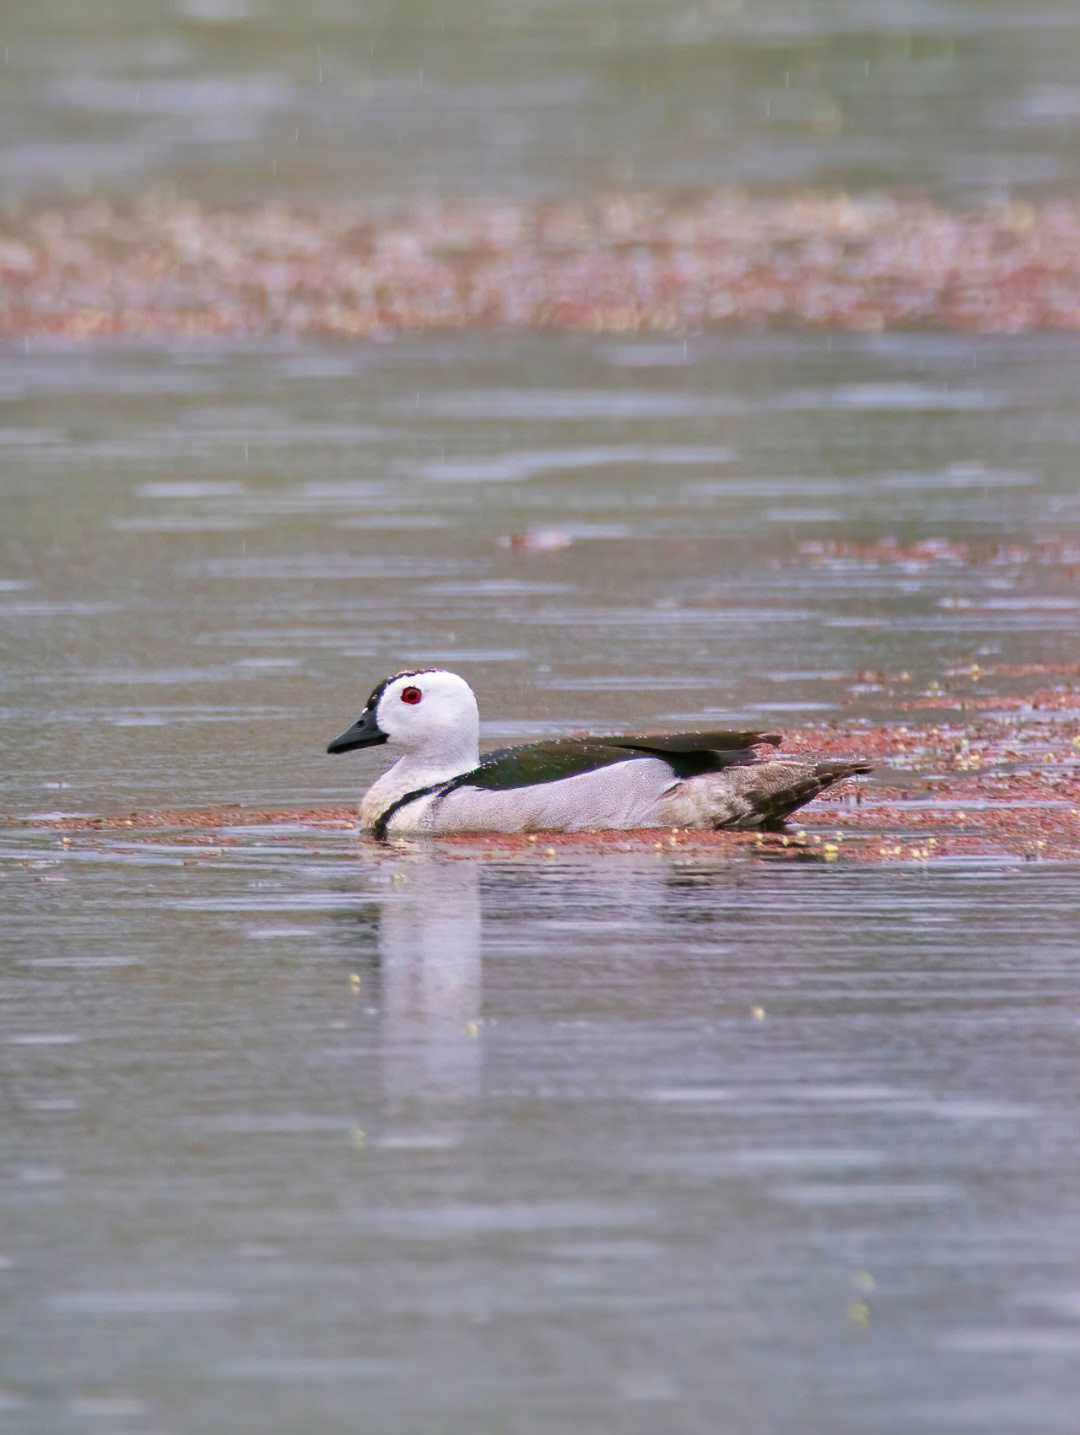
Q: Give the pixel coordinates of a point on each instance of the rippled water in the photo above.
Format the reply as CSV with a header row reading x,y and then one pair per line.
x,y
589,1143
301,1140
229,99
298,1138
213,553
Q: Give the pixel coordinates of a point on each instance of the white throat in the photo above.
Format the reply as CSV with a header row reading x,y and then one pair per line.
x,y
413,771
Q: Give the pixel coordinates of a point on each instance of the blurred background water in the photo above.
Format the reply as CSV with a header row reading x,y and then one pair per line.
x,y
296,1139
247,99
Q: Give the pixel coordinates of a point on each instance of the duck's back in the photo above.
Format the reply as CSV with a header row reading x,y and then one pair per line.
x,y
551,760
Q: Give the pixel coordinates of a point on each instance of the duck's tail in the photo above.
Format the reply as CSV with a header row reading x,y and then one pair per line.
x,y
778,787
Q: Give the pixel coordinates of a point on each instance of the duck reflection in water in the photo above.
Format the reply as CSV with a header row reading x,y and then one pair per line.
x,y
427,964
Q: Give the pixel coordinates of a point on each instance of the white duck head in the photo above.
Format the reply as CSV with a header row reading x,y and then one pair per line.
x,y
430,715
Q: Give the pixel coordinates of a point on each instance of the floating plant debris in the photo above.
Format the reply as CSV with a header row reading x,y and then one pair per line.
x,y
624,263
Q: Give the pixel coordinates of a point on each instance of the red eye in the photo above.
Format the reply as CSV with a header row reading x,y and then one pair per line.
x,y
411,695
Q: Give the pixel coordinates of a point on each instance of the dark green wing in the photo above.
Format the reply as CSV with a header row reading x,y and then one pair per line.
x,y
687,753
705,740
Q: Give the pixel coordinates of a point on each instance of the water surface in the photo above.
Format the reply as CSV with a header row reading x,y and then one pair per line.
x,y
304,1136
617,1143
225,100
213,553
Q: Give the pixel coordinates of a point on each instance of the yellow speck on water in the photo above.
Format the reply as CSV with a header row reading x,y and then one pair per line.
x,y
354,981
659,846
975,670
472,1030
826,117
858,1312
357,1139
673,840
758,1013
863,1282
399,877
532,836
1019,215
831,852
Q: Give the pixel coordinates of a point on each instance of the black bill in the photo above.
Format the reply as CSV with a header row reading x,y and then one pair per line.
x,y
365,732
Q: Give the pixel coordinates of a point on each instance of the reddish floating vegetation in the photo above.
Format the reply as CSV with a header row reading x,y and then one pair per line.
x,y
1058,550
998,787
230,815
626,263
537,540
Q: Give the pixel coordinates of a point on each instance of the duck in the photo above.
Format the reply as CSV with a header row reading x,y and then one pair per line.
x,y
705,778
